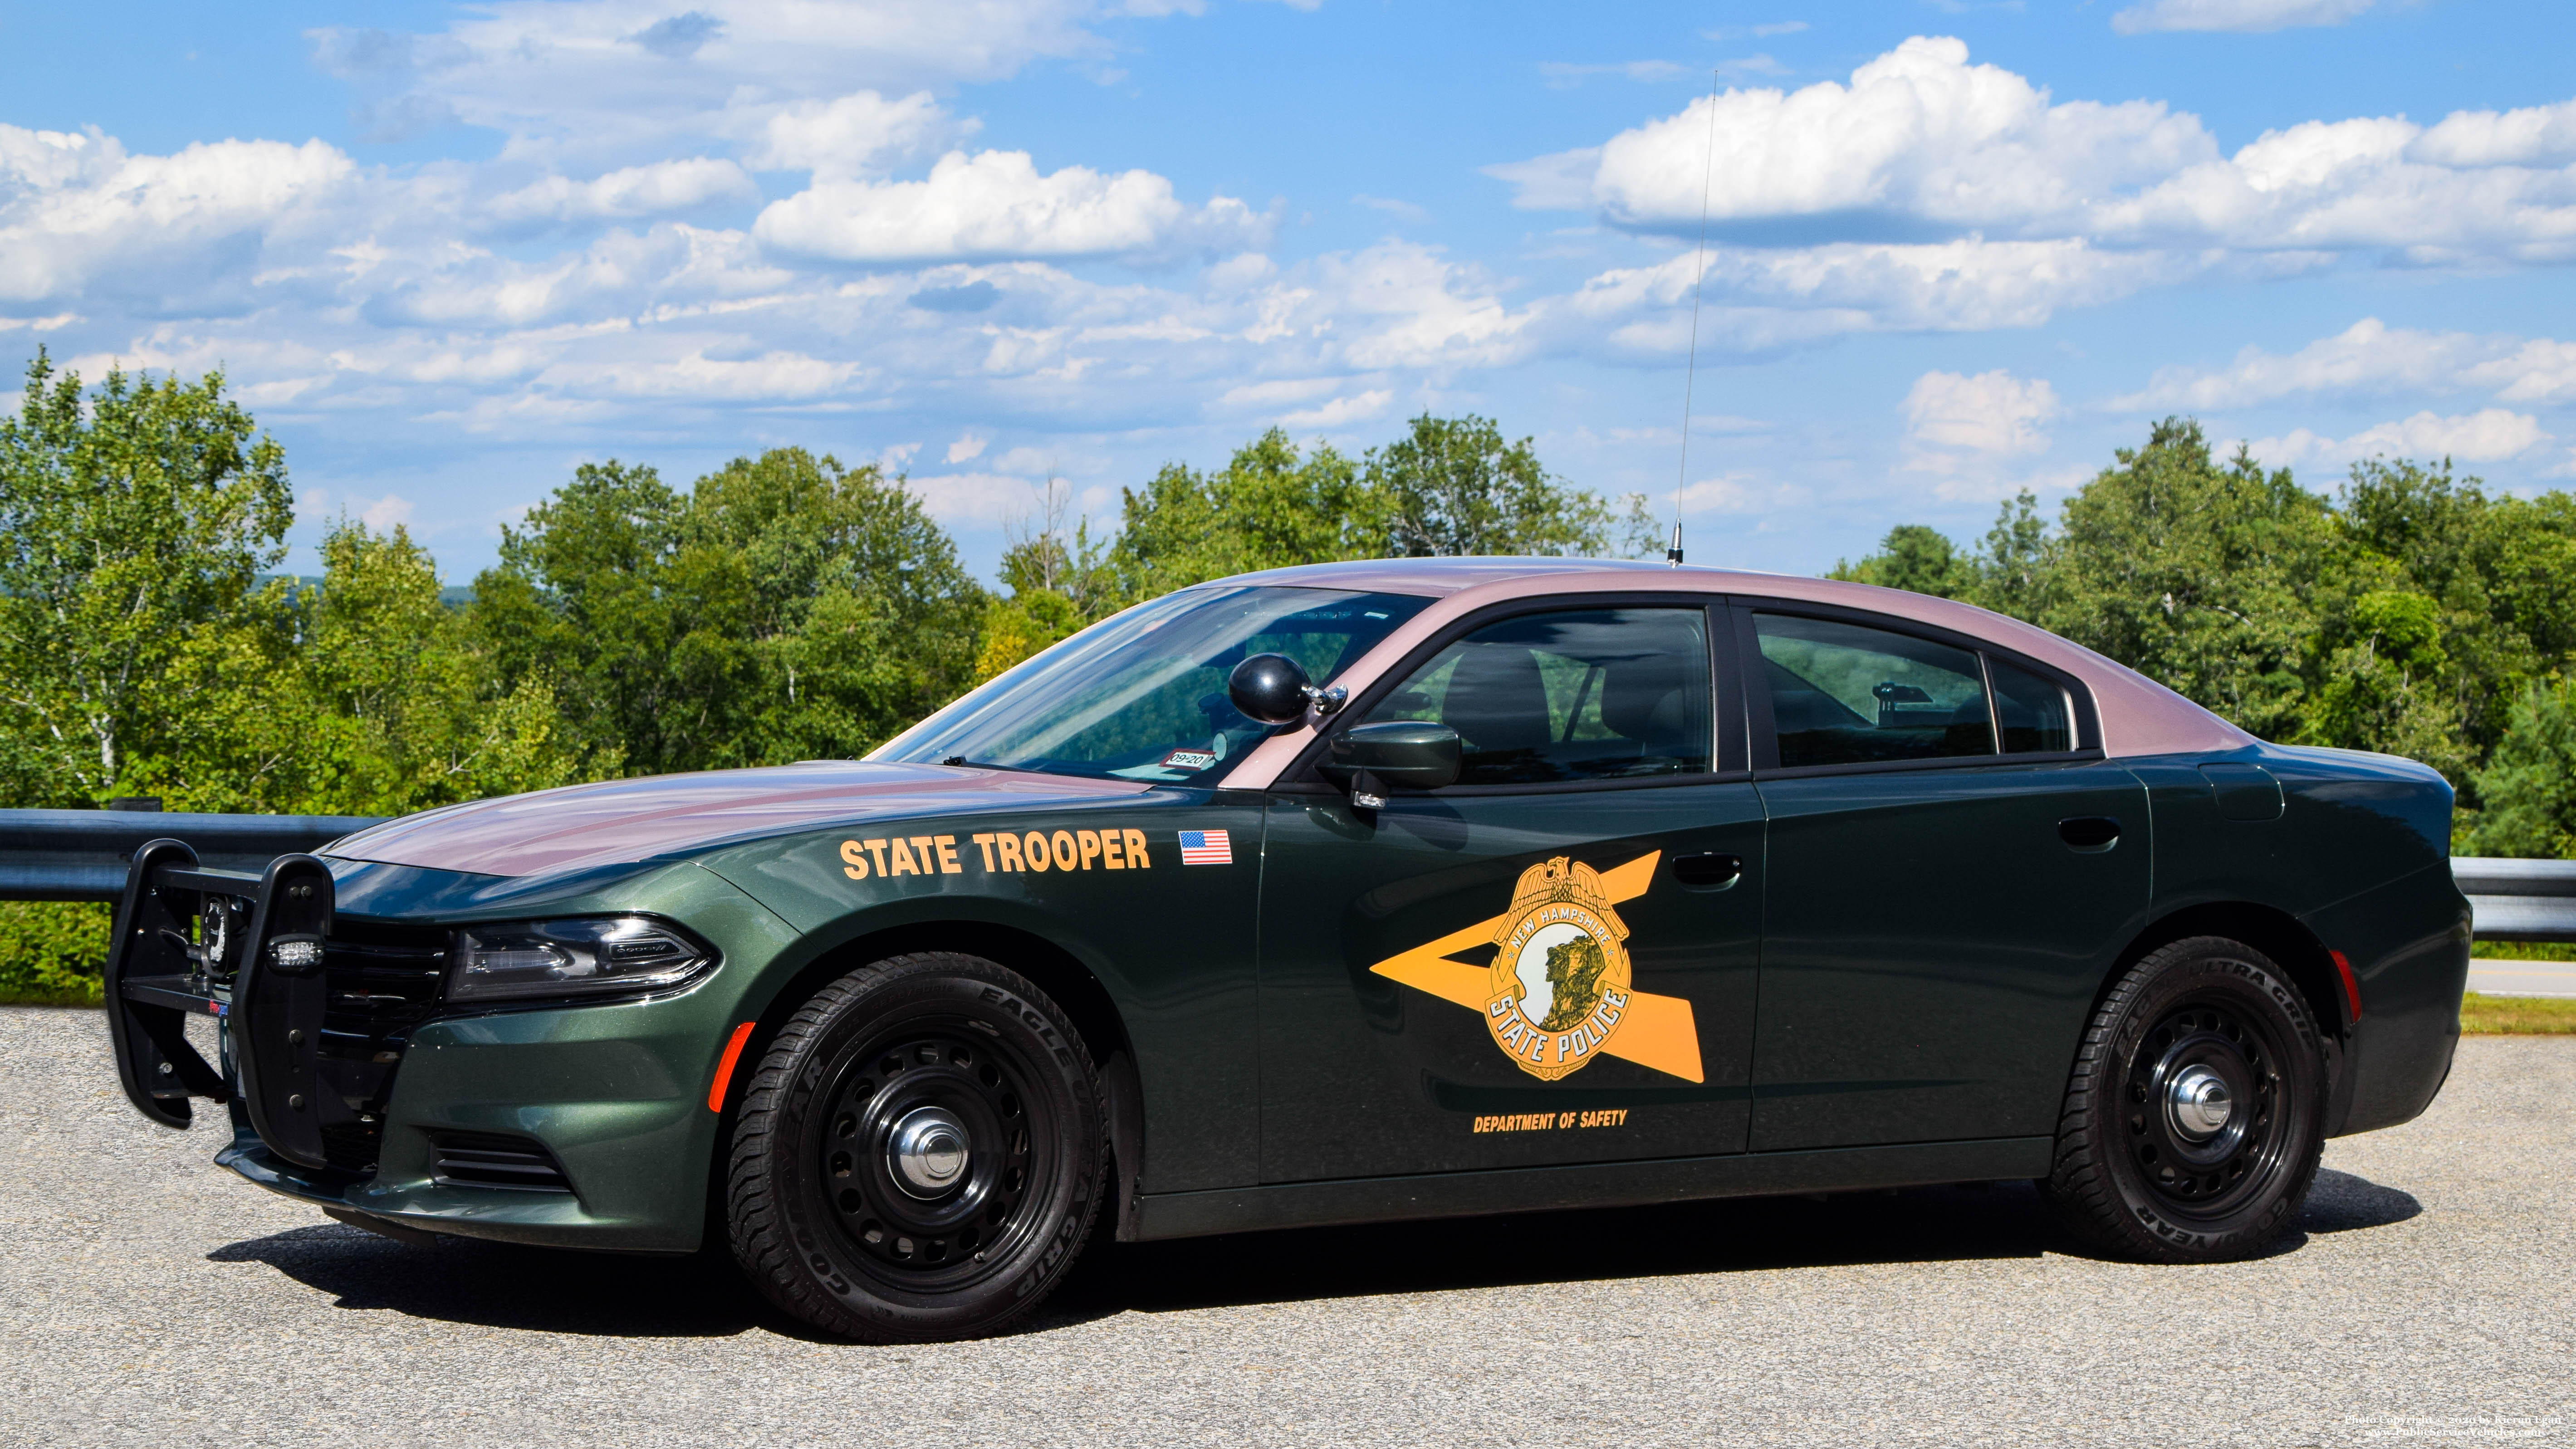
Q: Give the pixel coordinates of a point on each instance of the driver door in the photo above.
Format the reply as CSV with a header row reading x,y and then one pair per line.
x,y
1552,960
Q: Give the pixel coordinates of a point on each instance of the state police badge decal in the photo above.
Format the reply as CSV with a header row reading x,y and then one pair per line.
x,y
1560,975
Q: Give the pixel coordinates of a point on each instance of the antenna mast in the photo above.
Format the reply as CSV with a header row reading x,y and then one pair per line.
x,y
1690,370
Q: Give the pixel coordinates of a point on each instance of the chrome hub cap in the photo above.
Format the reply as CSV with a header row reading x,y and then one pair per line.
x,y
927,1150
2198,1103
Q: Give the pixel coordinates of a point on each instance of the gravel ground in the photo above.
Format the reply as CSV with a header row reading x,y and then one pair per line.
x,y
147,1297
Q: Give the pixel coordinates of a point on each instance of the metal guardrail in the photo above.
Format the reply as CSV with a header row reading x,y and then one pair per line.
x,y
2519,900
81,855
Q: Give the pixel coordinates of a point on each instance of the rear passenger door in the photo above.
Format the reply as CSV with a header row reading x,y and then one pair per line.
x,y
1943,895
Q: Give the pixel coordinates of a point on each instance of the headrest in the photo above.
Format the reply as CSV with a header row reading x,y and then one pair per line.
x,y
1497,700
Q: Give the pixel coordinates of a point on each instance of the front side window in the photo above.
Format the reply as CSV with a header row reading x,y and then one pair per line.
x,y
1844,694
1594,694
1143,696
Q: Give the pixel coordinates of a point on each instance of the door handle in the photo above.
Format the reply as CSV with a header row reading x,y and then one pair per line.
x,y
2089,834
1709,872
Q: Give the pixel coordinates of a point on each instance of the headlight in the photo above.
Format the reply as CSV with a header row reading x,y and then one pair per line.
x,y
572,958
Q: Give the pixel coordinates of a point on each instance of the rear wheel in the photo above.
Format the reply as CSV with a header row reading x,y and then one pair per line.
x,y
2194,1119
920,1153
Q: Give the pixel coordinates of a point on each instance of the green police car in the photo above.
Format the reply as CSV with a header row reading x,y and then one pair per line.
x,y
1342,894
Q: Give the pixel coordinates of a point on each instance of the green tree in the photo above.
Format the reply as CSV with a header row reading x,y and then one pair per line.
x,y
2408,615
133,523
1452,486
1914,558
1268,507
1059,582
2528,788
787,608
2010,563
2440,604
2195,573
581,601
408,712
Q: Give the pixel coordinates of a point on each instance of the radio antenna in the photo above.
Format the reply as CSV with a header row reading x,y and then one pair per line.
x,y
1690,369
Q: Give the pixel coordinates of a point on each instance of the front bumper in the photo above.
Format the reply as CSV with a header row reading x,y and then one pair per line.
x,y
422,1109
609,1093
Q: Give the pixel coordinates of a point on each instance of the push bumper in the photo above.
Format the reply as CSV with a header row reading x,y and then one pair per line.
x,y
559,1125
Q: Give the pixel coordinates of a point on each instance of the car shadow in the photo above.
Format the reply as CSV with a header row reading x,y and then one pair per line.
x,y
1932,1224
503,1285
545,1290
2339,1202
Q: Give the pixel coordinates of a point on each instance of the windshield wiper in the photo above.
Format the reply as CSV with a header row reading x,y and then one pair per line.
x,y
964,763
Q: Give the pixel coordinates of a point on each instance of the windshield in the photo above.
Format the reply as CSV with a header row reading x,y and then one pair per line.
x,y
1142,696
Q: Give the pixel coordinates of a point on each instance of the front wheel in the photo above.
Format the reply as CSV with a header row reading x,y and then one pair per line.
x,y
2195,1116
920,1153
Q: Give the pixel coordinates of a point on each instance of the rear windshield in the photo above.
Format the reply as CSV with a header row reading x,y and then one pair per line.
x,y
1142,696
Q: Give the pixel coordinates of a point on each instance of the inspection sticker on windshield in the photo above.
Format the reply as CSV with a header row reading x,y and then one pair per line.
x,y
1205,847
1188,760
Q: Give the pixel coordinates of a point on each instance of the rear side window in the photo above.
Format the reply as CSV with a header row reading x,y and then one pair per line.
x,y
2033,712
1845,694
1593,694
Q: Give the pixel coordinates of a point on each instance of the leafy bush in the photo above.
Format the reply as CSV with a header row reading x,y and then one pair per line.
x,y
51,952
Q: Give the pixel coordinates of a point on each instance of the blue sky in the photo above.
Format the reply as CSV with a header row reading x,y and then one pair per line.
x,y
448,253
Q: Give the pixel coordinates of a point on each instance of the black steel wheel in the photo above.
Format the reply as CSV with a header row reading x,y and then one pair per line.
x,y
920,1153
2194,1118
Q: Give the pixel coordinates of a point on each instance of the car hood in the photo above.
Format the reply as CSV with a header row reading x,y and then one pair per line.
x,y
614,821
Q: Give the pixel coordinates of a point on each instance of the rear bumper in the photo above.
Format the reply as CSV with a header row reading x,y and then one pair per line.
x,y
2408,942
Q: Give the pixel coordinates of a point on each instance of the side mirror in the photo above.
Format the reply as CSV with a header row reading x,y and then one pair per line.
x,y
1413,754
1269,689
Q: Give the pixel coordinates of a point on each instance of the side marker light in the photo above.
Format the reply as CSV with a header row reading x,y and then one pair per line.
x,y
2351,987
724,1068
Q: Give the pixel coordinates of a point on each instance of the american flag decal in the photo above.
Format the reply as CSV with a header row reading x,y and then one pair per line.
x,y
1205,847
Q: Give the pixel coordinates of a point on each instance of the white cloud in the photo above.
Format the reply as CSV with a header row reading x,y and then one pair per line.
x,y
996,203
1341,412
967,447
74,209
1922,139
857,135
1391,206
634,191
387,513
607,78
2532,136
1918,131
2540,370
2238,15
2370,358
1263,396
981,498
1954,421
1563,75
1769,297
2487,436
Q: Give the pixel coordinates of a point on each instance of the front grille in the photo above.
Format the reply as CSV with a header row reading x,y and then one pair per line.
x,y
493,1159
383,979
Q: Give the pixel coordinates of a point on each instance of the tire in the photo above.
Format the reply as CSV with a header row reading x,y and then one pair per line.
x,y
2149,1166
859,1239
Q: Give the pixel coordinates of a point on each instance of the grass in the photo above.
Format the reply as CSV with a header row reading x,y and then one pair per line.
x,y
2484,1015
32,996
2522,951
